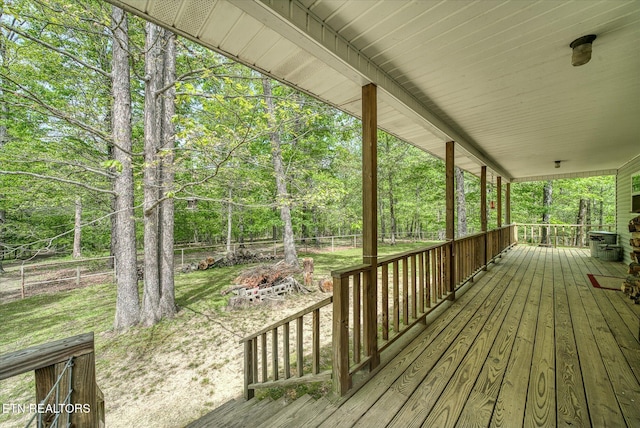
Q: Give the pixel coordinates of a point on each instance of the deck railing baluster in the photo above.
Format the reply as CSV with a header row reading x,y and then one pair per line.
x,y
356,318
300,345
385,302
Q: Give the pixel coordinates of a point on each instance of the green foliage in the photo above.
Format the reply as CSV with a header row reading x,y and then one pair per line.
x,y
54,81
527,207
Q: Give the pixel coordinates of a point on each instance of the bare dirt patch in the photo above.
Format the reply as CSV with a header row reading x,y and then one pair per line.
x,y
189,373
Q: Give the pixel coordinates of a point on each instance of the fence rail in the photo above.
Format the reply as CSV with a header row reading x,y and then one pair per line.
x,y
22,280
64,365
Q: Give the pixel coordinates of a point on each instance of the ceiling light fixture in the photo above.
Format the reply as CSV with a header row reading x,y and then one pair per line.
x,y
581,49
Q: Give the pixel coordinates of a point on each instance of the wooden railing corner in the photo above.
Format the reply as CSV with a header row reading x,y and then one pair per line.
x,y
75,355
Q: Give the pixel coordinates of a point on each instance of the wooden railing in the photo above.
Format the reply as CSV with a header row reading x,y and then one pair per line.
x,y
268,353
559,235
471,256
412,285
84,406
409,286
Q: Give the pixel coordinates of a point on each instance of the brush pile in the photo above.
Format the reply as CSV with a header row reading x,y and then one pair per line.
x,y
232,258
264,283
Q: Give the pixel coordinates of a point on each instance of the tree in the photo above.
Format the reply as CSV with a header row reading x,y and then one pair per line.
x,y
123,234
167,176
546,210
282,195
158,297
461,203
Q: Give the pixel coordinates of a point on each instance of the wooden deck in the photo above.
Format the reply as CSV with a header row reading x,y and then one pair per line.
x,y
530,343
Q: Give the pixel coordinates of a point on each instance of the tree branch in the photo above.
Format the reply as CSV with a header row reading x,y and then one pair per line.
x,y
53,48
58,179
54,111
103,173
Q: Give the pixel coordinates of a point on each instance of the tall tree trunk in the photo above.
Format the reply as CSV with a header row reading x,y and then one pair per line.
x,y
383,225
547,192
282,195
77,229
316,229
601,212
241,230
392,211
167,207
461,202
229,220
4,137
582,214
304,226
124,234
152,123
3,219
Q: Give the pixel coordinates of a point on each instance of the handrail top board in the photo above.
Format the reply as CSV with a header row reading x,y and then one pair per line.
x,y
47,354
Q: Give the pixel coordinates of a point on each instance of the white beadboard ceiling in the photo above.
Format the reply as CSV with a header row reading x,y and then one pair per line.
x,y
494,76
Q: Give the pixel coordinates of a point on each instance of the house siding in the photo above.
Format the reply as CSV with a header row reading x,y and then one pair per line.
x,y
623,204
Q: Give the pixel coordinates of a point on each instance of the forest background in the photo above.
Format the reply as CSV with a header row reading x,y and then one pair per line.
x,y
227,153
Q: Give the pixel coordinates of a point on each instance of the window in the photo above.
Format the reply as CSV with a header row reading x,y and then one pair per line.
x,y
635,193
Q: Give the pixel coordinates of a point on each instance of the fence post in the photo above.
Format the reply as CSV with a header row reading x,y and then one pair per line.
x,y
182,257
77,276
341,378
332,248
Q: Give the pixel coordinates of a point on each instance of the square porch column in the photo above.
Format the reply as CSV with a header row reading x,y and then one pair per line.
x,y
499,202
370,220
483,210
450,208
507,202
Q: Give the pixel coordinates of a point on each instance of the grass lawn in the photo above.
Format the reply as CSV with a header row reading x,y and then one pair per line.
x,y
166,375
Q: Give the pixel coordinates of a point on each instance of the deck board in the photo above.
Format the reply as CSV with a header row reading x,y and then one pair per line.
x,y
572,404
511,401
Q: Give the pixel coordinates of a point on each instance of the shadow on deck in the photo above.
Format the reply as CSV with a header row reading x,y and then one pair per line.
x,y
530,342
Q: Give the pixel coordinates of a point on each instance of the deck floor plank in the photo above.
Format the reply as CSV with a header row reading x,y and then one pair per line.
x,y
511,401
628,311
541,395
571,401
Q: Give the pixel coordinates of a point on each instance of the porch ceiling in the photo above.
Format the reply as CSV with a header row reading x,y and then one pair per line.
x,y
495,76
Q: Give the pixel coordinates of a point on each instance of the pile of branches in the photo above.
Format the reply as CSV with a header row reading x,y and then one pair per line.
x,y
232,258
278,277
266,275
